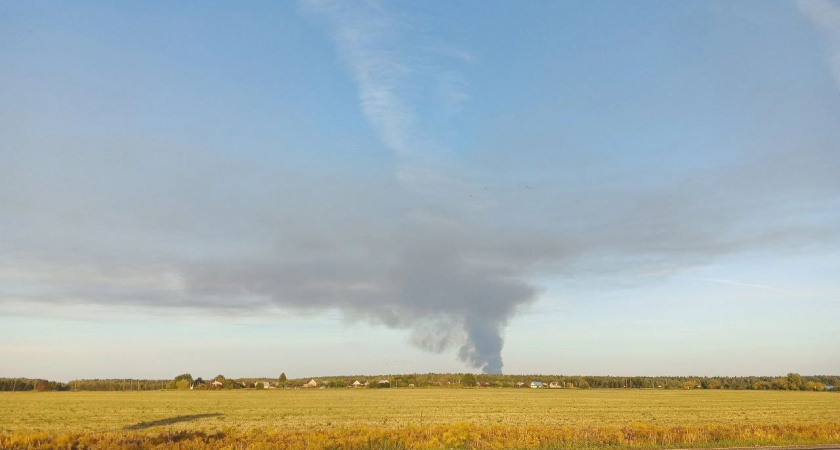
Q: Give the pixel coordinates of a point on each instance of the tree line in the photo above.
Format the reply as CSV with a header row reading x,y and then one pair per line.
x,y
791,381
29,384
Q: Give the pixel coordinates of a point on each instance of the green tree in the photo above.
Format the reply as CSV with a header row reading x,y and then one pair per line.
x,y
182,384
795,381
762,385
781,384
184,376
468,380
282,378
814,386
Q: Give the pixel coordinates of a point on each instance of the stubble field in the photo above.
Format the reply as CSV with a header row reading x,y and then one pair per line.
x,y
417,418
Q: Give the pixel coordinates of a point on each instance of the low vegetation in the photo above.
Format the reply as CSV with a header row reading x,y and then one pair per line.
x,y
418,418
461,435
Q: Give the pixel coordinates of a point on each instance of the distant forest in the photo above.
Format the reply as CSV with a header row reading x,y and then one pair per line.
x,y
791,381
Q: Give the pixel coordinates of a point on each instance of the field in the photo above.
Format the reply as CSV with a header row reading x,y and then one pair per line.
x,y
421,418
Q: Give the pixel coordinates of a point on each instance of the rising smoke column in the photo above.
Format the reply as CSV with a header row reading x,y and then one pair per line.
x,y
436,284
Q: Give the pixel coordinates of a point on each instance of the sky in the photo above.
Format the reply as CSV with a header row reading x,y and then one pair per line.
x,y
324,187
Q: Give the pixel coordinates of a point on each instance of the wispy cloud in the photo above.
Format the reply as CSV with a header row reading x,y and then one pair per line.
x,y
367,39
396,71
830,294
738,283
825,14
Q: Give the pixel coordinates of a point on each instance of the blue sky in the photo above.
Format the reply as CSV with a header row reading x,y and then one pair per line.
x,y
366,187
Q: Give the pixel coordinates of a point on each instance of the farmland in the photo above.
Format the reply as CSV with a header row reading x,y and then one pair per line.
x,y
419,418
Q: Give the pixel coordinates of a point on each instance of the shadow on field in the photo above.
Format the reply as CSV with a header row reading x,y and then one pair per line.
x,y
170,421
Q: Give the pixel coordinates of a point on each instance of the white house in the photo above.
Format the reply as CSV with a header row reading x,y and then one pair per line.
x,y
536,384
311,384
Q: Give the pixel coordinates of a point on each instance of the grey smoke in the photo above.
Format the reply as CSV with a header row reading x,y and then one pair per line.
x,y
453,275
416,244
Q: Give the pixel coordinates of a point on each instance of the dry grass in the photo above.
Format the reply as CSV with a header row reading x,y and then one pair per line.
x,y
422,418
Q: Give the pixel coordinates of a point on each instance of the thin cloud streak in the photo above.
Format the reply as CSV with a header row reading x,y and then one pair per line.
x,y
826,17
738,283
364,34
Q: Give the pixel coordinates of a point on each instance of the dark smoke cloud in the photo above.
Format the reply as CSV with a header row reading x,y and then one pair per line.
x,y
448,248
452,274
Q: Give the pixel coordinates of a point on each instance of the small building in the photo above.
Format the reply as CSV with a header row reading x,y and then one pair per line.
x,y
217,384
384,384
536,384
357,384
520,384
482,384
311,383
554,385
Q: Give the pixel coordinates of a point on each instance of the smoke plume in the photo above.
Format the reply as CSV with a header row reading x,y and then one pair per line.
x,y
446,246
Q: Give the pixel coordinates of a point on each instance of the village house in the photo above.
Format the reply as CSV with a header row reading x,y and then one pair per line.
x,y
311,384
554,385
536,384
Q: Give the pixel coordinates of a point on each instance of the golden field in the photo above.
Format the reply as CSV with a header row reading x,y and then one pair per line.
x,y
417,418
